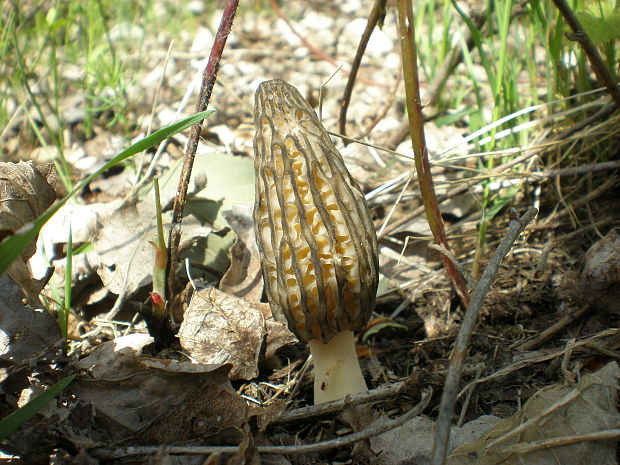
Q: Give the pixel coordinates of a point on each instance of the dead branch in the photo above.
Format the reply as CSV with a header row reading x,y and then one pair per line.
x,y
554,329
450,391
206,87
374,395
376,14
377,428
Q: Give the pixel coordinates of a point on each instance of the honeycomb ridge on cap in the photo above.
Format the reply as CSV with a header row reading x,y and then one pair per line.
x,y
317,243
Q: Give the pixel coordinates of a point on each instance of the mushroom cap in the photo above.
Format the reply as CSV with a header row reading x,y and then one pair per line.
x,y
317,243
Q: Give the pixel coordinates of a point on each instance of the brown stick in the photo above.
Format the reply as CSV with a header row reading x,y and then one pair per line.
x,y
374,395
376,14
374,429
554,329
450,390
208,81
416,128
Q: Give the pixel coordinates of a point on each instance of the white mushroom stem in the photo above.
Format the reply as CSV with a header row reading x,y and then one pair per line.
x,y
337,371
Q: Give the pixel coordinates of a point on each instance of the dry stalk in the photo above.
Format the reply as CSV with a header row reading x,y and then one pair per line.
x,y
377,14
206,87
416,128
449,396
538,359
375,429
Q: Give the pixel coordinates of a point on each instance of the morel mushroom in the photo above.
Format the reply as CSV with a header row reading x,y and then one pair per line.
x,y
317,243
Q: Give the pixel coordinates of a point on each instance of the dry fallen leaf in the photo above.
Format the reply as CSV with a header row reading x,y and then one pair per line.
x,y
244,277
26,190
163,401
24,332
221,328
554,412
123,256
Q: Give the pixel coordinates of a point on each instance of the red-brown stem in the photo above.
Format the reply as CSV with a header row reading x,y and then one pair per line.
x,y
377,12
208,80
416,129
579,34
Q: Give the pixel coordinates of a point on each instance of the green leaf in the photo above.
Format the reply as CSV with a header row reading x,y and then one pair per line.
x,y
12,247
16,419
377,328
501,201
210,255
601,29
230,181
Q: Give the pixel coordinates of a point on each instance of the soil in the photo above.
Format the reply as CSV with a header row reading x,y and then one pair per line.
x,y
545,278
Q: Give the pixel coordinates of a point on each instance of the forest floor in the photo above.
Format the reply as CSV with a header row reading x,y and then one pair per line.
x,y
232,375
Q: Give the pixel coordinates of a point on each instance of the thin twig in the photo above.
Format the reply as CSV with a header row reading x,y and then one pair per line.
x,y
594,57
376,14
555,328
416,126
467,400
311,411
375,429
574,170
388,103
208,81
535,419
450,390
531,360
525,447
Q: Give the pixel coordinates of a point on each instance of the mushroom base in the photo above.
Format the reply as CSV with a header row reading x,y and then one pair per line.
x,y
337,372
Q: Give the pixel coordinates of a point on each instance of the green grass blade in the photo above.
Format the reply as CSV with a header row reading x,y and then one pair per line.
x,y
13,421
63,312
12,247
477,37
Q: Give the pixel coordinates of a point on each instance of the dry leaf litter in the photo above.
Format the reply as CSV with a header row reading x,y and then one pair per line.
x,y
233,369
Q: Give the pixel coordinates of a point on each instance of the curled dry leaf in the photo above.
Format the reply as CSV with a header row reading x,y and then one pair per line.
x,y
24,332
244,277
221,328
555,412
26,190
161,401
